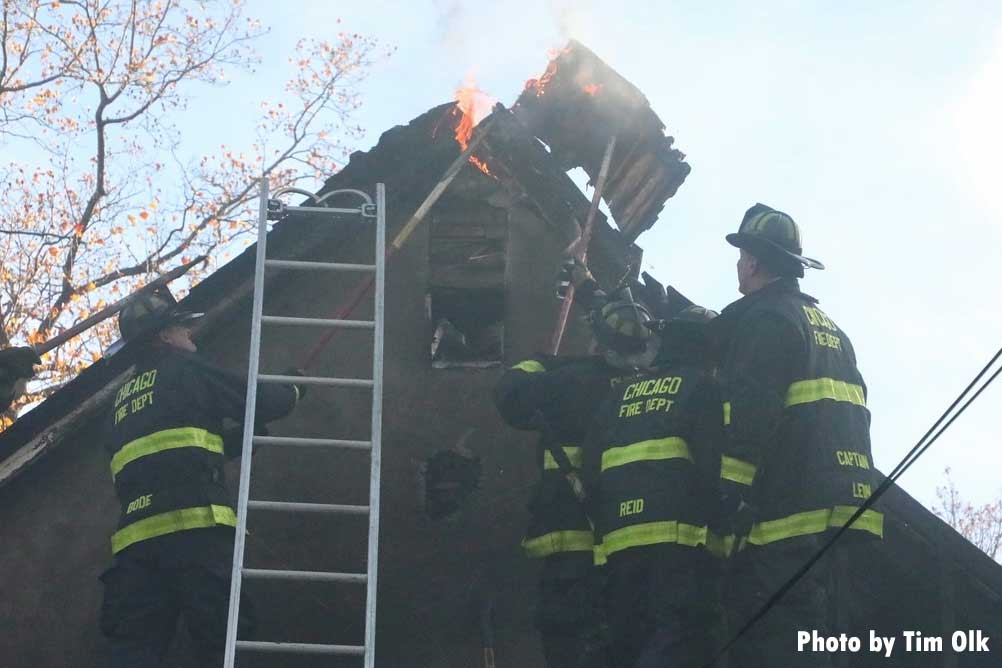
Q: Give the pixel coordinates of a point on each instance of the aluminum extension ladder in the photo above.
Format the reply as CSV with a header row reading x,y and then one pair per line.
x,y
270,209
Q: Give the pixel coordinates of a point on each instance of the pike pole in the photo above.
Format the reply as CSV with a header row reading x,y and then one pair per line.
x,y
580,246
362,288
114,308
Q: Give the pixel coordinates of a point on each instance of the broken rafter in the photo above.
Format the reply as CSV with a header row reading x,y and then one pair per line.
x,y
577,106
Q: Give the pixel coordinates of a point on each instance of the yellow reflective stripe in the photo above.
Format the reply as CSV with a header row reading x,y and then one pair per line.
x,y
558,541
727,413
573,455
654,533
171,522
660,448
168,439
815,521
529,366
807,391
598,555
737,470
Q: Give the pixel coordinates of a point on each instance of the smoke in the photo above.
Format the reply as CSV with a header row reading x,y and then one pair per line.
x,y
573,19
453,25
487,37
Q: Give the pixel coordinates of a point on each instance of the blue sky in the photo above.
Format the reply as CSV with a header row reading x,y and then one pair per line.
x,y
872,124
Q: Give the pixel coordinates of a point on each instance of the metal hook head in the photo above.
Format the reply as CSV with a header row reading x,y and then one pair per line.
x,y
369,210
276,209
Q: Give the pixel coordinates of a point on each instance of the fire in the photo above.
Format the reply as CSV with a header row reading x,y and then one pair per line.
x,y
480,164
472,105
538,85
593,89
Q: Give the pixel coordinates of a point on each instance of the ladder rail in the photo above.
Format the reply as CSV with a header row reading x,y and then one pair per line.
x,y
248,436
254,377
376,437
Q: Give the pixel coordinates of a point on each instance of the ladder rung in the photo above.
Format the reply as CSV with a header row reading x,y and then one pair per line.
x,y
315,380
313,576
323,209
308,507
319,266
299,647
320,442
317,322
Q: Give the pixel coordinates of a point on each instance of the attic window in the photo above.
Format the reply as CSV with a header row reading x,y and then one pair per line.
x,y
465,300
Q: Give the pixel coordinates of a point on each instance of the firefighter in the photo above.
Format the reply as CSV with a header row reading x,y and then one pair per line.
x,y
558,396
797,463
173,547
657,442
17,367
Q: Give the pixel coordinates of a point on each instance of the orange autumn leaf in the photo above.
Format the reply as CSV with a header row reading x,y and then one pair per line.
x,y
93,207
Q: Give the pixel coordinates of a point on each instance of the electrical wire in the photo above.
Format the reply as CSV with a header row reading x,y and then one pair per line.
x,y
917,451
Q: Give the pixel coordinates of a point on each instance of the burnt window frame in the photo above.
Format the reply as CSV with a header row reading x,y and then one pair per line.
x,y
480,232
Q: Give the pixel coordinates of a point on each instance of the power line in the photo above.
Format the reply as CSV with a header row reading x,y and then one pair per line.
x,y
917,451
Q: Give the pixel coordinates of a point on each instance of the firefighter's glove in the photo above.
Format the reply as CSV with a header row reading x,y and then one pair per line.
x,y
652,294
299,388
18,362
572,272
676,302
233,439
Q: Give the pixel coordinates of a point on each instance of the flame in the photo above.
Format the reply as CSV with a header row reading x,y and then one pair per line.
x,y
592,89
538,86
472,105
481,165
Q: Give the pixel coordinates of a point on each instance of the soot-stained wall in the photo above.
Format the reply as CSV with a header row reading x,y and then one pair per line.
x,y
435,575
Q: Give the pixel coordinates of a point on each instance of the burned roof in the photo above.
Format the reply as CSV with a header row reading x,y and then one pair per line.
x,y
577,106
410,160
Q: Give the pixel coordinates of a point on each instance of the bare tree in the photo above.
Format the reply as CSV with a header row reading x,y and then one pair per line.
x,y
107,199
982,525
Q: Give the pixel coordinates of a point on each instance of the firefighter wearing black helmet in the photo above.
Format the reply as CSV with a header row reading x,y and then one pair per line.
x,y
798,460
656,444
173,547
558,396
